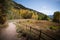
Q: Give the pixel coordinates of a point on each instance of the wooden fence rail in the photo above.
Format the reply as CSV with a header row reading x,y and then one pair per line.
x,y
40,33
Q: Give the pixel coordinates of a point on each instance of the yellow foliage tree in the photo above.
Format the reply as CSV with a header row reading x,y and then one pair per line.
x,y
34,16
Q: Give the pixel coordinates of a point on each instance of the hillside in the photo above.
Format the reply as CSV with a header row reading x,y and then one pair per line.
x,y
51,16
18,11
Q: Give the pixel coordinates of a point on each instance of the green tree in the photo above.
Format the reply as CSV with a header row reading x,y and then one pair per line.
x,y
2,12
4,6
46,18
56,17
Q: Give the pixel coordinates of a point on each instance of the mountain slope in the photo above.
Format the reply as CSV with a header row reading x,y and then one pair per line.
x,y
18,11
51,16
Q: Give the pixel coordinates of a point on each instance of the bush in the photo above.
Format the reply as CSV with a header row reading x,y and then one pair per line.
x,y
53,27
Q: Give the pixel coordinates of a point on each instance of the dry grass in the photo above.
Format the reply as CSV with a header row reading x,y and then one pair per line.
x,y
38,24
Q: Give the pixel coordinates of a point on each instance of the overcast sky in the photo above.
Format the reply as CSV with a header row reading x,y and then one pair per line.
x,y
45,6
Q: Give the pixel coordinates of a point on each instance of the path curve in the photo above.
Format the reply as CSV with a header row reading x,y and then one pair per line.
x,y
9,33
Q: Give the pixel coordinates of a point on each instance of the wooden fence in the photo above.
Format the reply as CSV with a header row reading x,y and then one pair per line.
x,y
41,35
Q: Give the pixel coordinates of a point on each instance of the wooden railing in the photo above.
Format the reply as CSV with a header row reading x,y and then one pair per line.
x,y
41,35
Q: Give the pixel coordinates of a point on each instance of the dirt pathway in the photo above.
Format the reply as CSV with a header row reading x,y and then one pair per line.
x,y
9,33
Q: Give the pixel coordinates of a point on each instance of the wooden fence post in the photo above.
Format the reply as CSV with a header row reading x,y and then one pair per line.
x,y
30,29
29,38
26,27
40,35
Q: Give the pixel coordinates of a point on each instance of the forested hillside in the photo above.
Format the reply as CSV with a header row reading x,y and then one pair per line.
x,y
18,11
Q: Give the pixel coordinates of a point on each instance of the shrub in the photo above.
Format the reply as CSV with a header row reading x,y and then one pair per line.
x,y
53,27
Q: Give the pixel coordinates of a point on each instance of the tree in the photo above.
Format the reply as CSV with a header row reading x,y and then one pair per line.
x,y
56,17
46,18
34,15
2,10
27,15
4,6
